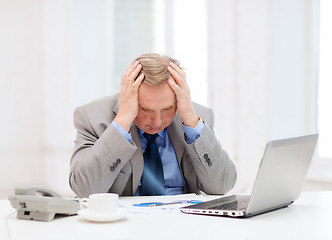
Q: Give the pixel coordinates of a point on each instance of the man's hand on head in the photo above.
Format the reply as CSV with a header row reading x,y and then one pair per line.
x,y
128,98
185,108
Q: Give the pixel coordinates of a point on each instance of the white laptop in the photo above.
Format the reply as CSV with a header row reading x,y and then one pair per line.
x,y
278,183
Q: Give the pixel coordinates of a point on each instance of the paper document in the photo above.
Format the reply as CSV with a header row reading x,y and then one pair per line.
x,y
160,205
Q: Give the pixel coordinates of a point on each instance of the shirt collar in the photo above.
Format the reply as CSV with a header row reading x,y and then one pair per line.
x,y
162,134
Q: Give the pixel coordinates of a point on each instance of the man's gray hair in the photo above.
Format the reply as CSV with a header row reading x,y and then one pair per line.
x,y
154,67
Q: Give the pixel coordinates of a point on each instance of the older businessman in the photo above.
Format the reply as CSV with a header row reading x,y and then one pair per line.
x,y
150,139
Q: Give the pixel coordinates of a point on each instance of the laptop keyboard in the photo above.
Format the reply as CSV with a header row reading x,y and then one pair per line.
x,y
240,204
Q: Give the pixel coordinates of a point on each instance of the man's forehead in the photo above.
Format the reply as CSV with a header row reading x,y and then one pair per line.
x,y
166,105
156,96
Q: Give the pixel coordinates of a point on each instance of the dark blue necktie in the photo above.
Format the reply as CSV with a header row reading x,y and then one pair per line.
x,y
152,182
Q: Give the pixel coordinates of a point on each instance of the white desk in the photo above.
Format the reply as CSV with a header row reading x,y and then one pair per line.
x,y
308,218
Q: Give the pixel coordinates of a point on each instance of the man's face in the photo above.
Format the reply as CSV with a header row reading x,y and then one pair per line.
x,y
156,107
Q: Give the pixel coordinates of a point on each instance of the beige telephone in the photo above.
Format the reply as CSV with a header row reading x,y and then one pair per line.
x,y
35,203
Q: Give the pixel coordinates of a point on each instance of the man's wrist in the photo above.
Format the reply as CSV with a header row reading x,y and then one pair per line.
x,y
192,134
123,122
122,131
191,121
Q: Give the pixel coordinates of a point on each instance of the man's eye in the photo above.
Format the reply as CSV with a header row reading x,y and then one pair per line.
x,y
167,109
146,110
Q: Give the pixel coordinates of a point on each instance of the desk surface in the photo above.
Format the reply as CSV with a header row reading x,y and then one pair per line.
x,y
308,218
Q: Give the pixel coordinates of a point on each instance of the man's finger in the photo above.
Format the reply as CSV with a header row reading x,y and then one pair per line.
x,y
174,86
135,72
128,71
130,68
176,76
178,70
139,80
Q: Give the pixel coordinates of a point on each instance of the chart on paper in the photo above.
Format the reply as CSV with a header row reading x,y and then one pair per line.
x,y
159,205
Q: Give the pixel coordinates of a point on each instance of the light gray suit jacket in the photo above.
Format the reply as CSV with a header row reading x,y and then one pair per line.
x,y
104,161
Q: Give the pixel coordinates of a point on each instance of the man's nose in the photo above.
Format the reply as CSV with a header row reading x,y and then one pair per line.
x,y
157,119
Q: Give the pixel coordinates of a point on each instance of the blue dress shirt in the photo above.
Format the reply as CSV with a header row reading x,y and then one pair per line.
x,y
172,174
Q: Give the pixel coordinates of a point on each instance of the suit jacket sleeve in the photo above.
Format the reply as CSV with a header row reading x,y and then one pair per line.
x,y
100,154
215,171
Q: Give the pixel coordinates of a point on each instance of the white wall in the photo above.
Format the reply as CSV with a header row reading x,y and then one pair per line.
x,y
22,97
293,72
57,54
262,76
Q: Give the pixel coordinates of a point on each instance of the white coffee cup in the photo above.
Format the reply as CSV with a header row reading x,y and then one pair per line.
x,y
101,203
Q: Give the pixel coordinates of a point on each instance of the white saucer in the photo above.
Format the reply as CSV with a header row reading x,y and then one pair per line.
x,y
86,214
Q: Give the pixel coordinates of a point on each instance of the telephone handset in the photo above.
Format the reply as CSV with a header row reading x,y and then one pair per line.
x,y
41,204
38,191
